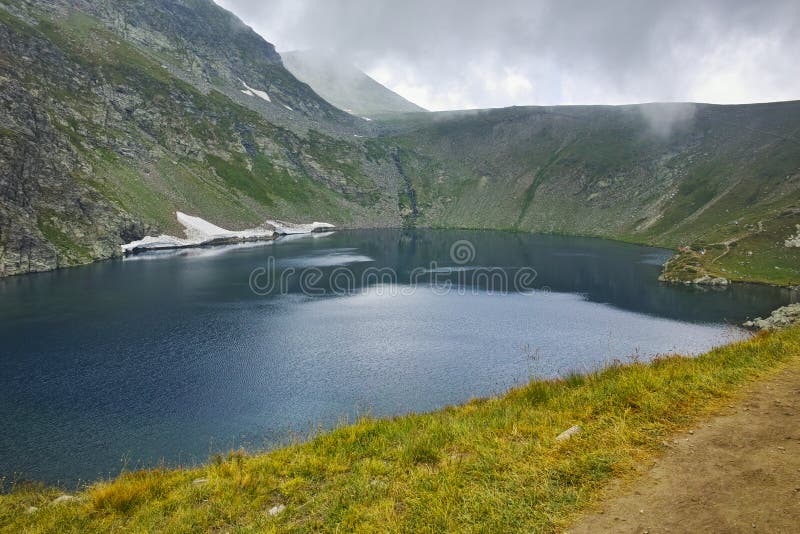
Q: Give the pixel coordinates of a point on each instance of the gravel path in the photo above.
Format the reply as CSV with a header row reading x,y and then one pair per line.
x,y
736,472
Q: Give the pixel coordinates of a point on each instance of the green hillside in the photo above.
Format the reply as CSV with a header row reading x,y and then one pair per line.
x,y
723,178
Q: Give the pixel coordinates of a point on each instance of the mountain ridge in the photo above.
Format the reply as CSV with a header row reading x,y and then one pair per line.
x,y
345,86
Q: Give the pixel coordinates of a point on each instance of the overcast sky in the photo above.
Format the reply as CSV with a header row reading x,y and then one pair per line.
x,y
457,54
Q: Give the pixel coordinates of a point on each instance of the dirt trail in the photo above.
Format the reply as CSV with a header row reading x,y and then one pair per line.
x,y
736,472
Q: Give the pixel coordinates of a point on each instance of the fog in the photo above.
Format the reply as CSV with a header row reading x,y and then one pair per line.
x,y
457,54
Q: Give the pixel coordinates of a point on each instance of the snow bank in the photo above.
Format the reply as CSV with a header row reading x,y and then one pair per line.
x,y
199,229
285,228
200,232
255,92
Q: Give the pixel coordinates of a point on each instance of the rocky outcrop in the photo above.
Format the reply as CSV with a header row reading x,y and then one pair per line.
x,y
781,318
48,217
707,280
686,267
793,241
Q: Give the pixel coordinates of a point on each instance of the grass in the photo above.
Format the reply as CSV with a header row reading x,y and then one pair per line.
x,y
759,255
68,247
5,132
490,465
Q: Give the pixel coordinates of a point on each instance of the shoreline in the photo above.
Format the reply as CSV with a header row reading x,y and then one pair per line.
x,y
794,287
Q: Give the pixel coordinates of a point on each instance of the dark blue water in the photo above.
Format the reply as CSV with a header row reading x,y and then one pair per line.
x,y
172,357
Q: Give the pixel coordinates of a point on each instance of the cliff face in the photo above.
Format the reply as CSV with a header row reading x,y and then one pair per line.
x,y
48,217
114,117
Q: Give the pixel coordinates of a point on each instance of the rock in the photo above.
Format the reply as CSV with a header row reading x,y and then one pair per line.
x,y
779,319
707,280
64,499
199,481
275,510
31,509
793,241
568,433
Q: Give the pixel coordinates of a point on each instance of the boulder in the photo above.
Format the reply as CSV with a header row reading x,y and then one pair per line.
x,y
275,510
779,319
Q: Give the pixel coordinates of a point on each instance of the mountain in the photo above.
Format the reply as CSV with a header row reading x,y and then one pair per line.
x,y
725,179
114,115
344,85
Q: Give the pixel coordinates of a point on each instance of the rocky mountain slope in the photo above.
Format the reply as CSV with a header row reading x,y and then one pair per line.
x,y
345,86
116,114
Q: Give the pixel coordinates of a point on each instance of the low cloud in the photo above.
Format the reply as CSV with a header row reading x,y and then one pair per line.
x,y
665,118
468,53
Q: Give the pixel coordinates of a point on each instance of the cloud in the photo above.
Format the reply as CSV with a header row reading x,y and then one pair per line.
x,y
449,54
665,118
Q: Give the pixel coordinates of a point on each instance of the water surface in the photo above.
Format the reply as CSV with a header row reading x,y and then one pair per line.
x,y
171,357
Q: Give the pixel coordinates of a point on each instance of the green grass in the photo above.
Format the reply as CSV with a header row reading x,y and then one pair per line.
x,y
71,251
490,465
5,132
758,255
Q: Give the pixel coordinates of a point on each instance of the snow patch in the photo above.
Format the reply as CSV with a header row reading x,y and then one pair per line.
x,y
201,232
254,92
287,107
285,228
367,119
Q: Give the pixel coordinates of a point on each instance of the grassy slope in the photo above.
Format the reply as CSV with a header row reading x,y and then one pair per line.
x,y
730,174
489,465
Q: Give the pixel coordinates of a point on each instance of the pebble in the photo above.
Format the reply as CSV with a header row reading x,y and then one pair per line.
x,y
275,510
568,433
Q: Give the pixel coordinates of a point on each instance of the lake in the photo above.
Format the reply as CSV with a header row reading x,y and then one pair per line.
x,y
170,357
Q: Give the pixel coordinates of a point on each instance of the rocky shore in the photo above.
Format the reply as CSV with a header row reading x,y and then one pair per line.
x,y
781,318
